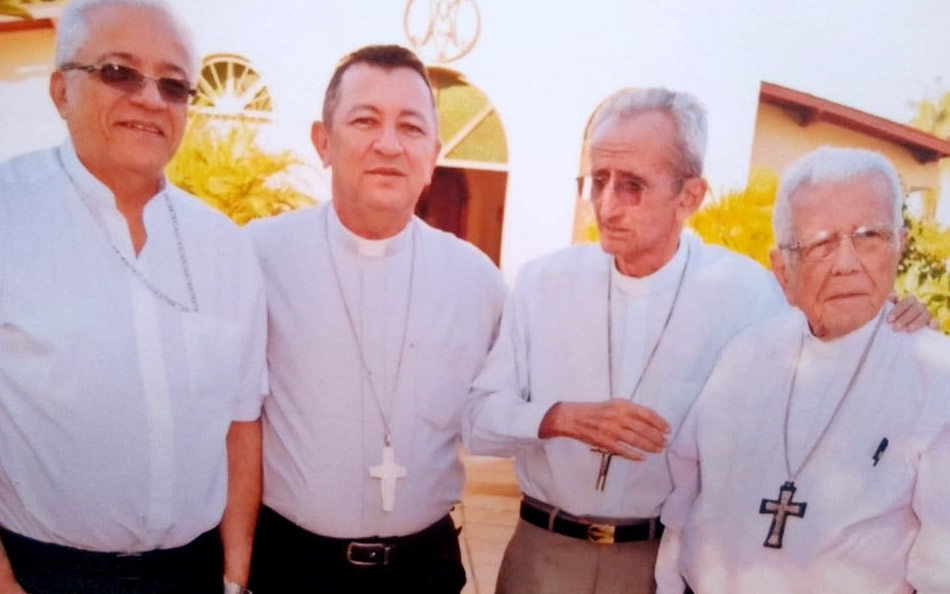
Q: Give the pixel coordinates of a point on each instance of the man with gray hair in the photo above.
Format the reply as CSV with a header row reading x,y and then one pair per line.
x,y
604,349
131,334
815,459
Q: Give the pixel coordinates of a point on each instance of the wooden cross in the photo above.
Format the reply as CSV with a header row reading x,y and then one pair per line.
x,y
605,457
781,509
387,473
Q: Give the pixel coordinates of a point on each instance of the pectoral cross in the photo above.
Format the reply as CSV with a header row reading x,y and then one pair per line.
x,y
605,457
387,473
781,509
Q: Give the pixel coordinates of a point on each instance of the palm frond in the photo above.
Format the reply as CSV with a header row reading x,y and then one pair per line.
x,y
229,171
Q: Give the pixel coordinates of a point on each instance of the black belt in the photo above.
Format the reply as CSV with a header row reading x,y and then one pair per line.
x,y
366,552
550,518
23,552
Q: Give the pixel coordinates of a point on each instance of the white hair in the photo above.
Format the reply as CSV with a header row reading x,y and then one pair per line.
x,y
829,165
689,120
72,30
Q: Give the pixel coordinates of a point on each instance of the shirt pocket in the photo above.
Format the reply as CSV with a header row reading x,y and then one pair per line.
x,y
443,379
213,349
27,352
888,470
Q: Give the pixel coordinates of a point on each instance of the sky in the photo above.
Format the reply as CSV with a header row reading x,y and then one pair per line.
x,y
547,65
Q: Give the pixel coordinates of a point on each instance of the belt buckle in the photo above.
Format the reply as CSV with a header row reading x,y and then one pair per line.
x,y
376,552
601,533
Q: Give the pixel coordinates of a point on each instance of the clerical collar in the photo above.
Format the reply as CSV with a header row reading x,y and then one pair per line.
x,y
368,248
666,277
852,341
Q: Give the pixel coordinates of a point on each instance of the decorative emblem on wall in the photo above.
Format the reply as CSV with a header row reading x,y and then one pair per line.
x,y
442,30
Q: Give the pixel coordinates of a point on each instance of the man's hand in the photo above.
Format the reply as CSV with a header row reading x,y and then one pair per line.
x,y
8,583
11,588
244,499
909,314
619,426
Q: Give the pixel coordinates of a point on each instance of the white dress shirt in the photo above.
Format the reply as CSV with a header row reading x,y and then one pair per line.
x,y
553,348
639,307
114,406
867,527
322,427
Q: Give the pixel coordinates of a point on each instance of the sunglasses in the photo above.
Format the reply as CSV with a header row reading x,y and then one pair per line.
x,y
130,80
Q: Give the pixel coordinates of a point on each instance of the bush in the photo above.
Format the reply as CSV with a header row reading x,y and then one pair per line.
x,y
230,172
741,220
923,268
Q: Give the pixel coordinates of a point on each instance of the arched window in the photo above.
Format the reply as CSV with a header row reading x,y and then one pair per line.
x,y
229,87
467,194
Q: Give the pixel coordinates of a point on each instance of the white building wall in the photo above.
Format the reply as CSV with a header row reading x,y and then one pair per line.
x,y
547,65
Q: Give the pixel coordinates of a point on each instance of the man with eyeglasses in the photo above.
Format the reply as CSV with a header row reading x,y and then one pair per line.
x,y
132,334
603,350
816,457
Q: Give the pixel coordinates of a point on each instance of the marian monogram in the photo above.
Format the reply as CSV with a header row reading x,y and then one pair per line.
x,y
442,30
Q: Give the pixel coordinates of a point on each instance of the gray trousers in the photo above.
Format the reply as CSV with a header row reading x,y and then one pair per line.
x,y
541,562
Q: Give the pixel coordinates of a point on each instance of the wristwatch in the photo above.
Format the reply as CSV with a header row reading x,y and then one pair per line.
x,y
232,588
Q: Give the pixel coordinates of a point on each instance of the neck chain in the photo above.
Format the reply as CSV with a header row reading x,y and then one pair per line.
x,y
193,308
659,339
791,389
384,415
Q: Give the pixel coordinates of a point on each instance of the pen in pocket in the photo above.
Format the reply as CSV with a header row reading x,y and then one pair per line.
x,y
880,451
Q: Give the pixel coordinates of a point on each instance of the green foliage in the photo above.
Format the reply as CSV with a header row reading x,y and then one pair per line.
x,y
229,171
923,268
933,117
741,220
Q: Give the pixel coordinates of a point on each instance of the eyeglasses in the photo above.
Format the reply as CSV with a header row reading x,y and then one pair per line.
x,y
129,80
627,188
824,244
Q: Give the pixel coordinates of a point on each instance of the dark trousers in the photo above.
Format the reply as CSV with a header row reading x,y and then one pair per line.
x,y
43,568
289,559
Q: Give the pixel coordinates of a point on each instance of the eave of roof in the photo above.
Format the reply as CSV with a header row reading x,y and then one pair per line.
x,y
14,25
807,109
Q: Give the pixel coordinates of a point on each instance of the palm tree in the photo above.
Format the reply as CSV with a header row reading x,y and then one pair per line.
x,y
924,268
933,117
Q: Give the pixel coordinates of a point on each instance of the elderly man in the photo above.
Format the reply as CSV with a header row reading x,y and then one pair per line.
x,y
132,329
373,344
815,459
604,349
